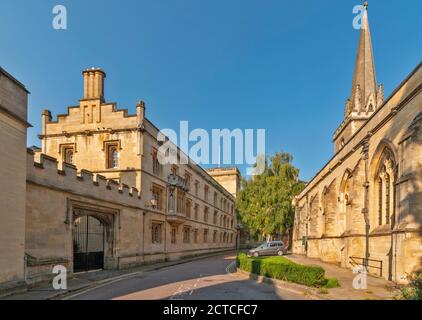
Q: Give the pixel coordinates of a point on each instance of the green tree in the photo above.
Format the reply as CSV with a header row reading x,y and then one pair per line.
x,y
264,203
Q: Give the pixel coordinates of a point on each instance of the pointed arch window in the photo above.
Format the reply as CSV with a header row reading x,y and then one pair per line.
x,y
387,199
385,180
380,185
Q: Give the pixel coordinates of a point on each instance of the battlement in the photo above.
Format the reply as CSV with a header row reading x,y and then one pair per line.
x,y
93,114
223,171
47,171
93,118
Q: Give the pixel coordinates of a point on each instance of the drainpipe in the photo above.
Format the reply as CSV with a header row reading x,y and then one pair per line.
x,y
143,234
307,225
365,210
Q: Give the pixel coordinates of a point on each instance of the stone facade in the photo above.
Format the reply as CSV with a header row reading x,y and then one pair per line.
x,y
100,165
366,203
13,125
229,178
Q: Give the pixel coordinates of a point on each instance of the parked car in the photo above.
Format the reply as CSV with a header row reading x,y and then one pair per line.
x,y
272,248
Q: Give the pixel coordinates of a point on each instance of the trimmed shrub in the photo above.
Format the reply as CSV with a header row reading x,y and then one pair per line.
x,y
283,269
331,283
414,290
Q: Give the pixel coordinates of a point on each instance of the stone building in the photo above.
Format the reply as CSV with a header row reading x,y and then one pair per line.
x,y
229,178
95,195
365,205
13,125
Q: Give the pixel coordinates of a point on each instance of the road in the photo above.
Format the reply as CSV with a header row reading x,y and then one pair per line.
x,y
206,279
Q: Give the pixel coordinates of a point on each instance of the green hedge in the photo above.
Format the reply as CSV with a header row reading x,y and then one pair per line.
x,y
283,269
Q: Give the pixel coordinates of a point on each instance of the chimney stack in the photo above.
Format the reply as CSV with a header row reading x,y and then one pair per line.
x,y
94,84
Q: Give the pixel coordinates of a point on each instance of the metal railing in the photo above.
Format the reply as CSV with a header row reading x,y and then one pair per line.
x,y
370,263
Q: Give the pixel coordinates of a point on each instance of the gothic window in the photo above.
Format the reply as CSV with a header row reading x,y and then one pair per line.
x,y
188,179
380,201
206,214
387,199
206,191
195,236
196,188
68,155
195,210
68,151
186,235
188,205
345,202
385,180
112,156
174,170
205,235
157,196
173,235
180,204
314,216
214,237
156,233
156,167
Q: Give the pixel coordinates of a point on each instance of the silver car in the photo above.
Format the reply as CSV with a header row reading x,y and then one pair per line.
x,y
272,248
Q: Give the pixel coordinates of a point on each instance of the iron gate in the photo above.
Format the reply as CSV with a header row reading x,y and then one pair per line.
x,y
88,244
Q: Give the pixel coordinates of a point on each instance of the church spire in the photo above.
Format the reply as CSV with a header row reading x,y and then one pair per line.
x,y
363,98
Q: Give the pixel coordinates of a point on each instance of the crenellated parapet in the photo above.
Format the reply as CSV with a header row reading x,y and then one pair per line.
x,y
47,171
88,119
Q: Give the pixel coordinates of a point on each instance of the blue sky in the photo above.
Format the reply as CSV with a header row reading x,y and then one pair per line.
x,y
285,66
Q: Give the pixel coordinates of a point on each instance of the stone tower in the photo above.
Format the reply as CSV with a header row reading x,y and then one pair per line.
x,y
365,97
229,178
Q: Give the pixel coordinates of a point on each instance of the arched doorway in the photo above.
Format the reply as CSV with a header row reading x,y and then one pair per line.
x,y
88,244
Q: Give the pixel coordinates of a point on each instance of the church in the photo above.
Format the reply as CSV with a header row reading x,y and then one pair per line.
x,y
364,207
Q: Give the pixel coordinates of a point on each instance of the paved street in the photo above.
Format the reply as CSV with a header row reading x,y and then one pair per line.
x,y
206,279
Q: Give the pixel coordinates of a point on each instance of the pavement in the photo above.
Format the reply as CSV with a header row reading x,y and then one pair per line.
x,y
83,281
213,278
206,278
376,289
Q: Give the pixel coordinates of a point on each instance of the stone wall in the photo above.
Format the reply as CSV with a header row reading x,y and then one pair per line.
x,y
13,125
345,191
56,192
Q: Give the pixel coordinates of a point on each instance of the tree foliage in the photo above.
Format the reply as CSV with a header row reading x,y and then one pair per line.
x,y
265,202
